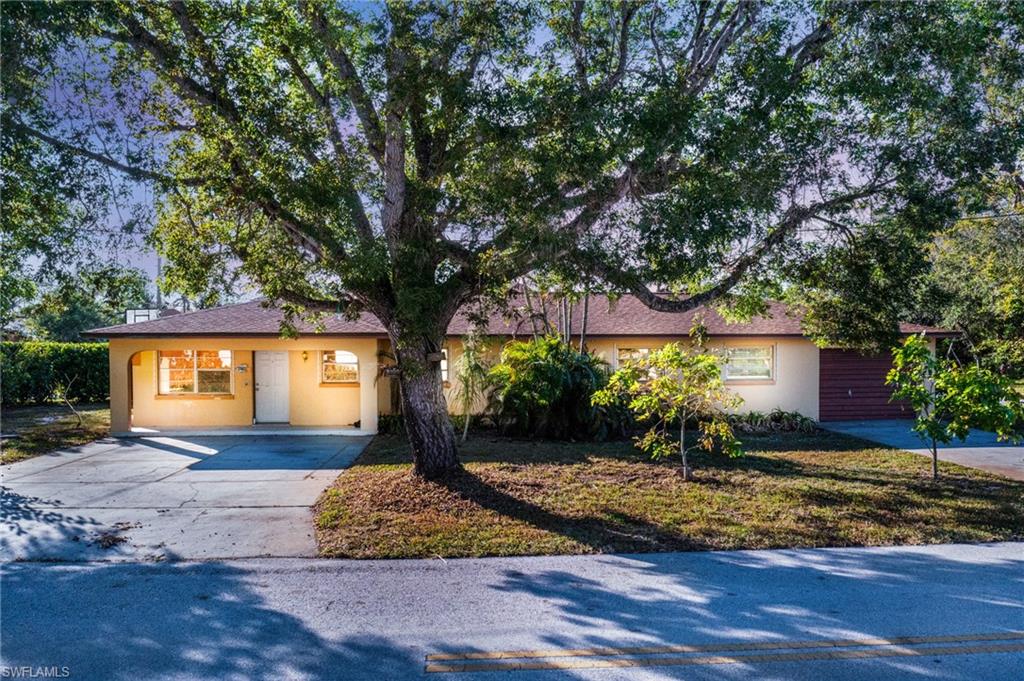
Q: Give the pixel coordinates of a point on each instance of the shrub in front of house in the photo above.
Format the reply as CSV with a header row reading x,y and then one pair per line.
x,y
775,421
34,371
543,388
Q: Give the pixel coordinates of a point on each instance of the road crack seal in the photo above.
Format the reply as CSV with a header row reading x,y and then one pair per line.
x,y
195,493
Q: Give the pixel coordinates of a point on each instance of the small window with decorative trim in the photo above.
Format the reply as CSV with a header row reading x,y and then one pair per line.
x,y
339,366
750,363
444,365
194,372
624,355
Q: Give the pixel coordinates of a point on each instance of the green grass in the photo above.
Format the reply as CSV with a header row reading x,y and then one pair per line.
x,y
46,428
531,498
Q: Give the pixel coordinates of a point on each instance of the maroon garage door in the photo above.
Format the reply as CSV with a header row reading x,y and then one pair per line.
x,y
852,386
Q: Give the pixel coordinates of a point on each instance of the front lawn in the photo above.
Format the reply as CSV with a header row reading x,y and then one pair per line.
x,y
45,428
529,498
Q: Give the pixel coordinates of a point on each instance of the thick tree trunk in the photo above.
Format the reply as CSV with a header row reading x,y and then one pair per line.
x,y
431,435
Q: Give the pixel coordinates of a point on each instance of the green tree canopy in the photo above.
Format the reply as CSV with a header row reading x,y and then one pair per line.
x,y
58,213
667,389
976,285
405,158
91,299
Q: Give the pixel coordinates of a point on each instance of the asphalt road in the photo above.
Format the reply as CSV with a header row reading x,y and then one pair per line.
x,y
807,614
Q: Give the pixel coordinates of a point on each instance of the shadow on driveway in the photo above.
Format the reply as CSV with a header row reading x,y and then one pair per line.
x,y
162,497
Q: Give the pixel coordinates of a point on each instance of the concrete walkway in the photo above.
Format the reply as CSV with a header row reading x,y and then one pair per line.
x,y
938,613
170,498
980,450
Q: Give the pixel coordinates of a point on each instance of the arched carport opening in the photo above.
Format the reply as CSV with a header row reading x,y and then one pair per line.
x,y
135,360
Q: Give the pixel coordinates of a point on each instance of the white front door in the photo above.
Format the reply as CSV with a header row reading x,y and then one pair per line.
x,y
271,370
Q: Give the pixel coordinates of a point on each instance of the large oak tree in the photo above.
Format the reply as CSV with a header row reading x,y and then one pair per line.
x,y
404,159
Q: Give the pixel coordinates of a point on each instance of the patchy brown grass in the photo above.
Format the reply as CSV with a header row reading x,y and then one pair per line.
x,y
46,428
530,498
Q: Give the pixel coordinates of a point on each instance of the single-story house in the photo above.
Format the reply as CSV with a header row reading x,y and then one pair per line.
x,y
228,367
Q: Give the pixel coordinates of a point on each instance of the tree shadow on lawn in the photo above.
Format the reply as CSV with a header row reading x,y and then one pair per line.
x,y
903,493
885,499
615,531
493,448
203,621
817,441
836,496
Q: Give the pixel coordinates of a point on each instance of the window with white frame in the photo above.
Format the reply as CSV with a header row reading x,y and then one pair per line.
x,y
444,364
194,372
623,355
339,366
750,362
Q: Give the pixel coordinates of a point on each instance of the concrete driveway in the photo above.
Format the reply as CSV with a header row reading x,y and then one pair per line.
x,y
980,449
160,498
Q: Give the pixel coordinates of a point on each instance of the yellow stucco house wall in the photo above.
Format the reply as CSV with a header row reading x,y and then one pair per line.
x,y
135,401
793,386
281,381
794,382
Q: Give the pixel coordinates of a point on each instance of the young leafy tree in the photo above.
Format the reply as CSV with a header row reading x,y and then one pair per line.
x,y
401,159
672,386
950,399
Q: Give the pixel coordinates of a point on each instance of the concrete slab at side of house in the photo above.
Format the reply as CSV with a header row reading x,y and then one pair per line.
x,y
155,498
980,450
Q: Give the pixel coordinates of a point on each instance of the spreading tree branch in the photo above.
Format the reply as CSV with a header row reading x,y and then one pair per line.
x,y
323,104
351,82
130,170
792,220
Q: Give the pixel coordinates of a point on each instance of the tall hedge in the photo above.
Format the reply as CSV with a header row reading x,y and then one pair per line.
x,y
32,370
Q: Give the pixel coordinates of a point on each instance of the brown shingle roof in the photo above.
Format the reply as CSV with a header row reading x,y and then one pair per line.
x,y
241,319
624,317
